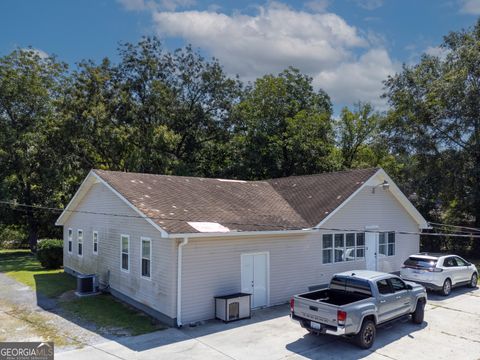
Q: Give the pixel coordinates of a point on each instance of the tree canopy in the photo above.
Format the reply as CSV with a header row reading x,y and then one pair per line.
x,y
176,112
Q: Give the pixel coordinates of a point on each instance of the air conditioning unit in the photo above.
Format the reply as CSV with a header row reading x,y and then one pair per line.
x,y
233,307
86,284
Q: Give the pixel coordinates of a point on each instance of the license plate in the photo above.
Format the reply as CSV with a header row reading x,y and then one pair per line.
x,y
315,325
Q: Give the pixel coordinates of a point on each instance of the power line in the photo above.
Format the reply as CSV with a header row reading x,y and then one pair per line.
x,y
24,207
455,226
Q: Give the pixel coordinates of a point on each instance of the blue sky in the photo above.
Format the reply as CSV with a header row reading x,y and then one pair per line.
x,y
347,46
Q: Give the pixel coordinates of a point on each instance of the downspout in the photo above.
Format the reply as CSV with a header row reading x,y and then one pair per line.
x,y
179,281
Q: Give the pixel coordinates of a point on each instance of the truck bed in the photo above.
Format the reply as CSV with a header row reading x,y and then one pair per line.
x,y
334,297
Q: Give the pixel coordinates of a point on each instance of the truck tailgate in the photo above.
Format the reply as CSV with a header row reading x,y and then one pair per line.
x,y
315,311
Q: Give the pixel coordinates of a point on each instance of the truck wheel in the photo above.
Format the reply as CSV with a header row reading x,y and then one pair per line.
x,y
473,281
418,314
446,288
366,336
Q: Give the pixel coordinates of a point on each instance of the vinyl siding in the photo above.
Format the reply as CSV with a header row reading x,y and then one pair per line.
x,y
383,210
211,267
157,293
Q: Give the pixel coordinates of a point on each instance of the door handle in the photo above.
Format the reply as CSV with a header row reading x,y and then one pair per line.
x,y
398,297
383,301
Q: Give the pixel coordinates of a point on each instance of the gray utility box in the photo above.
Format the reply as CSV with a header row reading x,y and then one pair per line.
x,y
233,307
86,284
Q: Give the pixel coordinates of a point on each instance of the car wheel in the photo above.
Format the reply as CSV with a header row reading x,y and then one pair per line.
x,y
418,314
447,287
473,281
366,336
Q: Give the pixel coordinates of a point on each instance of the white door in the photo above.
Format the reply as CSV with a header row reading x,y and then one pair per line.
x,y
254,278
371,244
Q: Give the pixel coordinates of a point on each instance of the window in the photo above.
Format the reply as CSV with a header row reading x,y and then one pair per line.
x,y
449,262
327,243
386,243
460,262
95,242
349,247
70,240
391,244
360,245
343,247
339,247
80,242
350,285
382,244
397,284
384,287
146,257
125,250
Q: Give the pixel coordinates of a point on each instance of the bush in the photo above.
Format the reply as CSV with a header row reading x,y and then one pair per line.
x,y
13,237
50,253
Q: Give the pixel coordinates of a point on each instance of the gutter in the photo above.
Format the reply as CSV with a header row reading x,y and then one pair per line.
x,y
179,280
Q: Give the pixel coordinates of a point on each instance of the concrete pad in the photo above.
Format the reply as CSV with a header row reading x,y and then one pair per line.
x,y
451,330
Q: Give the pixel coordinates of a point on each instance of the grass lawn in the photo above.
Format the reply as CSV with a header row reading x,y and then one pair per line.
x,y
111,315
104,311
24,267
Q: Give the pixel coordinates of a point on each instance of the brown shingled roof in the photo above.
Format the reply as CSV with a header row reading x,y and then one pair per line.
x,y
279,204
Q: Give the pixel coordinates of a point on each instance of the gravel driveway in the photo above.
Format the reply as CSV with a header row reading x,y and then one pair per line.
x,y
28,316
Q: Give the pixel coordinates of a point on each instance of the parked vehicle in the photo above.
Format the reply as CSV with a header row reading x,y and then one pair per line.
x,y
439,272
355,303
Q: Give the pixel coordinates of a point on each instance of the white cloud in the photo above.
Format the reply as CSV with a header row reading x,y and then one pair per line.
x,y
359,80
437,51
42,54
168,5
274,38
470,7
317,5
322,45
369,4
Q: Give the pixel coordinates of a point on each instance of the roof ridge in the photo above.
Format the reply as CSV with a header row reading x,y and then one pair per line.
x,y
240,180
325,173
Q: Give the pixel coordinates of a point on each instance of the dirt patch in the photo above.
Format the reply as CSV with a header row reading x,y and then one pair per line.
x,y
22,324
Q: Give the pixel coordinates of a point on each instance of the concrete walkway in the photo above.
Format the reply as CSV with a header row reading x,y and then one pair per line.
x,y
451,330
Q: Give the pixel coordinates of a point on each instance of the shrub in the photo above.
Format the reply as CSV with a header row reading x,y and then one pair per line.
x,y
50,253
13,237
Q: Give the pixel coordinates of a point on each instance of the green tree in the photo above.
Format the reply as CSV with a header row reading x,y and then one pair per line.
x,y
30,163
356,130
178,104
283,127
436,116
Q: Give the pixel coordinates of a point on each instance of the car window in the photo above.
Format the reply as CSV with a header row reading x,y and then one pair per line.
x,y
449,262
384,287
460,262
397,284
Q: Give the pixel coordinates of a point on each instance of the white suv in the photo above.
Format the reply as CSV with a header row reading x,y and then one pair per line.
x,y
439,272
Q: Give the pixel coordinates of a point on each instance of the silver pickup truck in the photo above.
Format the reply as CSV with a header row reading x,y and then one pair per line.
x,y
356,302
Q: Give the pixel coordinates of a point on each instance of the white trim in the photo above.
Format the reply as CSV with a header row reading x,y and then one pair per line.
x,y
179,280
121,253
242,233
142,239
93,242
78,242
69,240
376,178
133,207
267,265
91,179
400,196
84,186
